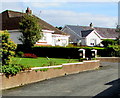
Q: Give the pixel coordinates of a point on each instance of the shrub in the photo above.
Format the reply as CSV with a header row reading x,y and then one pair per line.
x,y
13,69
107,42
93,58
45,69
50,62
29,55
20,54
82,59
8,48
114,50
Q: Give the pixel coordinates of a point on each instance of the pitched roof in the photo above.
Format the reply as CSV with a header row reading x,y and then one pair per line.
x,y
76,29
14,13
86,33
103,32
11,19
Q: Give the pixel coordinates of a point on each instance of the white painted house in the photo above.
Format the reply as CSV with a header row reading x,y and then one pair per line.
x,y
51,35
49,38
92,38
89,35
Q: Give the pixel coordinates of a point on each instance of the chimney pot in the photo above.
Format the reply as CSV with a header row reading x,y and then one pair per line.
x,y
91,25
28,11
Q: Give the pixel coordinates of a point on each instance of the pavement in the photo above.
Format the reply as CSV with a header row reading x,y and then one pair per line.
x,y
101,82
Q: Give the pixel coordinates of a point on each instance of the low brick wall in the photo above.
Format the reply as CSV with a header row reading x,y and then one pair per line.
x,y
108,59
32,76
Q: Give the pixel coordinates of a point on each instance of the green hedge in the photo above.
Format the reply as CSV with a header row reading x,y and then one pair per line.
x,y
59,52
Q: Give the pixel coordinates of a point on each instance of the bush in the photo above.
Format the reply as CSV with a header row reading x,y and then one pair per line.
x,y
8,48
114,50
20,54
107,42
82,59
29,55
13,69
45,69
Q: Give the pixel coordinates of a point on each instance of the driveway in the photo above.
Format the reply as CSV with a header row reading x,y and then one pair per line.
x,y
100,82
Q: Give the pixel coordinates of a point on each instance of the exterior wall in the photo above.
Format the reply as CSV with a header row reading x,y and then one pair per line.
x,y
14,35
92,37
31,76
60,40
54,39
49,38
46,40
83,41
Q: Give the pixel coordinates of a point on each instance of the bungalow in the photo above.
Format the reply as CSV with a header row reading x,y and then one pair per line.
x,y
51,35
89,35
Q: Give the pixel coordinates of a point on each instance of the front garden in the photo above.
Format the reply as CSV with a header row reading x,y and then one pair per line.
x,y
16,58
41,61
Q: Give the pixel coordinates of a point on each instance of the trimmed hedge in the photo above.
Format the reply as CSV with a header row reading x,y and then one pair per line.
x,y
59,52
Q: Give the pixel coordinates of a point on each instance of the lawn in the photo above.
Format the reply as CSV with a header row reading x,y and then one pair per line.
x,y
41,61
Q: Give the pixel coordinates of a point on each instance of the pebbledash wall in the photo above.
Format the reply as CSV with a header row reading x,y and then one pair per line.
x,y
32,76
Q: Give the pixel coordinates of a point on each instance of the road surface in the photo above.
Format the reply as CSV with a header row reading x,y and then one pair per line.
x,y
100,82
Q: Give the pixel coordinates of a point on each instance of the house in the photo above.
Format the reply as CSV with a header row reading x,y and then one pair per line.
x,y
51,35
89,35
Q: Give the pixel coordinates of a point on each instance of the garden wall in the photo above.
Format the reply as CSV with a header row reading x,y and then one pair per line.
x,y
32,76
109,59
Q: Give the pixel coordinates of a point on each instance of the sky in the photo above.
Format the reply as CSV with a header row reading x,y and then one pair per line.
x,y
69,12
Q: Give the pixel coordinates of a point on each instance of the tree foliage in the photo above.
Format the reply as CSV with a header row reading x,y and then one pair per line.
x,y
8,48
107,42
118,38
31,31
114,50
59,28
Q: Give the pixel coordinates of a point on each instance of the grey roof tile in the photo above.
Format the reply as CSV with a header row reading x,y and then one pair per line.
x,y
103,32
85,32
76,29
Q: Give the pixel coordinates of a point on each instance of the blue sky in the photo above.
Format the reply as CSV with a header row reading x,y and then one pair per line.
x,y
60,13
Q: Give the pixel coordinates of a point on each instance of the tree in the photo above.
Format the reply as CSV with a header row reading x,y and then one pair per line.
x,y
8,48
118,38
31,31
59,28
107,42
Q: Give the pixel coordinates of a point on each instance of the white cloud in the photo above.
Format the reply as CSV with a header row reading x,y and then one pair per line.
x,y
43,4
61,17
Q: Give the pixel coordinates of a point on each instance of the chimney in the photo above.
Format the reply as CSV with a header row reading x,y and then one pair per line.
x,y
91,25
28,11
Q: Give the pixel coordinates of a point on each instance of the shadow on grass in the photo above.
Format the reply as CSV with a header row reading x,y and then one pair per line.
x,y
112,92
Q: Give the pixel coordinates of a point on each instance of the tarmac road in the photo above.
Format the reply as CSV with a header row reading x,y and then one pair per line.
x,y
101,82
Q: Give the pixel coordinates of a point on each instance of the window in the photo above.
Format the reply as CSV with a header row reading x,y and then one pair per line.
x,y
92,42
